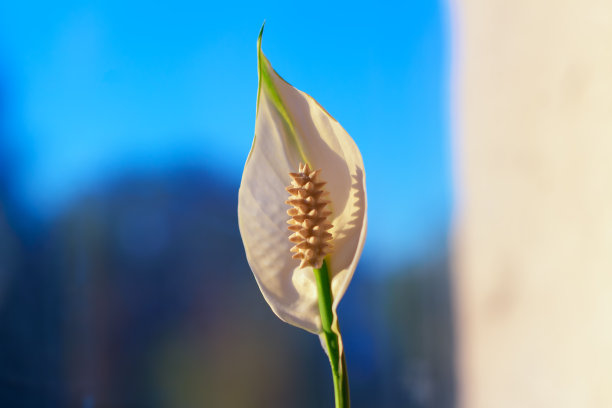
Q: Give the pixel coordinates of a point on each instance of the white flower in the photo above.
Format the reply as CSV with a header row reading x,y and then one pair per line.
x,y
292,128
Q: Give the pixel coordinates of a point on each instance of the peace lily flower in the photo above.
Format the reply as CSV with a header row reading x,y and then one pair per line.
x,y
302,211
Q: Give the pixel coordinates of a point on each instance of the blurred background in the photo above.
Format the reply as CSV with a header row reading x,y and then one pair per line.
x,y
124,129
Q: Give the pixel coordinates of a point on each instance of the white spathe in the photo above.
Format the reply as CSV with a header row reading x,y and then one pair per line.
x,y
290,128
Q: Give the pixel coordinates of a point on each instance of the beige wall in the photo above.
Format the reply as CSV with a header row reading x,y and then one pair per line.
x,y
533,241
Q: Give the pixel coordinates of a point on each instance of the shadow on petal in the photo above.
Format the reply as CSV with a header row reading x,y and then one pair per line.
x,y
348,234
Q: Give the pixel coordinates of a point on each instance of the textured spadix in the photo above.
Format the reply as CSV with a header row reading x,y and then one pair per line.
x,y
309,217
292,128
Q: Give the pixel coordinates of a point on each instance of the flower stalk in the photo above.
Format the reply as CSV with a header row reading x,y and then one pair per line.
x,y
337,361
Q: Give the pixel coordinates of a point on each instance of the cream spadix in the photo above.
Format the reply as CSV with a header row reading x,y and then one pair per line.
x,y
291,129
309,217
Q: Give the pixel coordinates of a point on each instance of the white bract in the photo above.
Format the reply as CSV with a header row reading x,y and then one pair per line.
x,y
292,128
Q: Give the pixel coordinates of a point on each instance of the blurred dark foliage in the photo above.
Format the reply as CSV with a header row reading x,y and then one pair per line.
x,y
139,295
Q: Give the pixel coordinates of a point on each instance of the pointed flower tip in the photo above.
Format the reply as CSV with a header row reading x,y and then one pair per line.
x,y
261,30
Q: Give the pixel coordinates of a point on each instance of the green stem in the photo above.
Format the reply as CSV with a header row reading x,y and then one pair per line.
x,y
339,374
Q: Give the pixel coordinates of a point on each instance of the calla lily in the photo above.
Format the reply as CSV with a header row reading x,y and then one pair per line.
x,y
294,134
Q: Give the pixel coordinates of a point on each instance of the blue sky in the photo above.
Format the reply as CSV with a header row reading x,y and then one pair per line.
x,y
96,88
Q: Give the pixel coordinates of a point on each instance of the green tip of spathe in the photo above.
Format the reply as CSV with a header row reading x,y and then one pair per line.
x,y
259,51
261,33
